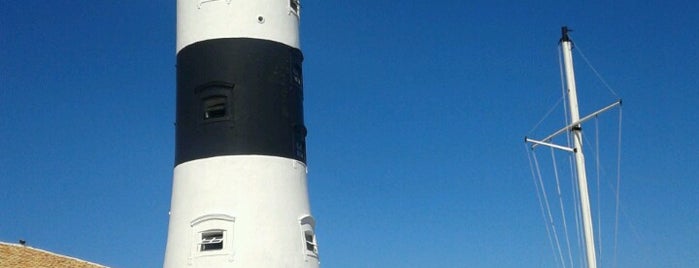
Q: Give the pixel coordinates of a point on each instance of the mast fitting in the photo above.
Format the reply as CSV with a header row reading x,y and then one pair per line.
x,y
564,34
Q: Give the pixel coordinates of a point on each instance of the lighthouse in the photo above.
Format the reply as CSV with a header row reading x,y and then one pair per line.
x,y
239,193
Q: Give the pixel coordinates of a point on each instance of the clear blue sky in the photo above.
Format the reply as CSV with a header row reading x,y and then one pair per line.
x,y
416,113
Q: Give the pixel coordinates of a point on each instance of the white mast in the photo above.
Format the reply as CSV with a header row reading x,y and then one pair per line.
x,y
576,130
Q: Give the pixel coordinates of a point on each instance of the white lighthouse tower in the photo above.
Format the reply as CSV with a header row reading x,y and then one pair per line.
x,y
239,196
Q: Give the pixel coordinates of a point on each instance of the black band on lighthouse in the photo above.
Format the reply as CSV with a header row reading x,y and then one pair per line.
x,y
239,96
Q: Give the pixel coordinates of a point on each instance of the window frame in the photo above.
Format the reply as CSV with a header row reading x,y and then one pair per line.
x,y
215,237
213,223
307,224
215,92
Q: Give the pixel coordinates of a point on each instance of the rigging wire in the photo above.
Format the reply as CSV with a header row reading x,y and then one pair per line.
x,y
544,204
545,116
560,201
538,196
618,184
616,189
604,82
599,210
548,210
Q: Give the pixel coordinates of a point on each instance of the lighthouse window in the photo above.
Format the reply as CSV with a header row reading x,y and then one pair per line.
x,y
310,244
215,101
212,240
310,241
294,4
212,235
215,107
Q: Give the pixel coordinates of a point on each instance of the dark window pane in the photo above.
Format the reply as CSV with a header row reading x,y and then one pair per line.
x,y
211,241
215,107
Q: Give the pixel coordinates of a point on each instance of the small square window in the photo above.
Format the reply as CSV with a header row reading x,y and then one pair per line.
x,y
211,241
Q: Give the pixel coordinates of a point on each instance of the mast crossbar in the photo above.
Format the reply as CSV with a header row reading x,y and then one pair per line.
x,y
578,122
555,146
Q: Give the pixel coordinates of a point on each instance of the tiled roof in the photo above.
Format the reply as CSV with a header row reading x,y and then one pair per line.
x,y
20,256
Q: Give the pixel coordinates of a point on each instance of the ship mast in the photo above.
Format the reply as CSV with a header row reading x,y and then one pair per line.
x,y
576,131
574,127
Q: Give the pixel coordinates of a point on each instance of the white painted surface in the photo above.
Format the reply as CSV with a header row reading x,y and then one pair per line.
x,y
566,49
199,20
259,203
258,200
